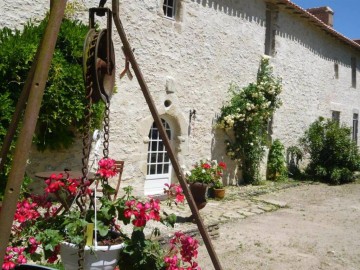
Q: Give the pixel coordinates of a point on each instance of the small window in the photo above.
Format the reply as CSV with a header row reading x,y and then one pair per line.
x,y
335,116
355,127
336,70
169,8
353,72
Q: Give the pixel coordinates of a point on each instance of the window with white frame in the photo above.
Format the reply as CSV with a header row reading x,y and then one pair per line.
x,y
158,161
169,8
355,127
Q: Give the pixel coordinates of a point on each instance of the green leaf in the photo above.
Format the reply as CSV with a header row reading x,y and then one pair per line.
x,y
108,189
102,228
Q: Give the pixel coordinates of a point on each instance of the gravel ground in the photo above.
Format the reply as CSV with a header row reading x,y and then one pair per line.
x,y
317,229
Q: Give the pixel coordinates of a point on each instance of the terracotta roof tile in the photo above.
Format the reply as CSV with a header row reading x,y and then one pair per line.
x,y
314,20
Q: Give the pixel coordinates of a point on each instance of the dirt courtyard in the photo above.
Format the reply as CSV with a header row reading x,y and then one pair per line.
x,y
318,229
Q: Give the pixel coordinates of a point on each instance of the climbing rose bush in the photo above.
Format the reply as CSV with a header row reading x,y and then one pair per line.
x,y
246,117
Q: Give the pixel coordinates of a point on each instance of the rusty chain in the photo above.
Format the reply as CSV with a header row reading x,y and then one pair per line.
x,y
81,202
106,129
106,138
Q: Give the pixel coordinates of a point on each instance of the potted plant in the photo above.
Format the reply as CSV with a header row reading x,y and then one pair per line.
x,y
41,231
219,191
201,176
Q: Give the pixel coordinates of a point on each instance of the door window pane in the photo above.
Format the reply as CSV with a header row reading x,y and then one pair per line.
x,y
152,169
153,158
158,161
166,168
159,168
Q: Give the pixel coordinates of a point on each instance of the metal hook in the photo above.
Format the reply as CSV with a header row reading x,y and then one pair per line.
x,y
102,3
192,115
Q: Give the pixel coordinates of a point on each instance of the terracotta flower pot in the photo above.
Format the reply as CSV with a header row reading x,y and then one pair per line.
x,y
219,193
198,191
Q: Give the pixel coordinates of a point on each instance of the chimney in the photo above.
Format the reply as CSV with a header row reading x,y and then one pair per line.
x,y
325,14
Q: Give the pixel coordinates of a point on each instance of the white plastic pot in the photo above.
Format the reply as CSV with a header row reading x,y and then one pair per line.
x,y
99,258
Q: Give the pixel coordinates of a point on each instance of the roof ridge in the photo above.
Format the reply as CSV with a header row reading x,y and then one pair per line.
x,y
319,7
323,25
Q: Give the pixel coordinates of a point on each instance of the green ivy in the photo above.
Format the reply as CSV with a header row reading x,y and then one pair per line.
x,y
247,115
61,115
62,110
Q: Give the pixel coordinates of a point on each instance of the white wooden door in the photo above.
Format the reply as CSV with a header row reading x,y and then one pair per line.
x,y
158,163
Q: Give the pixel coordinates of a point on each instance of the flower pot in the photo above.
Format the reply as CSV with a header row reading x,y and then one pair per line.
x,y
198,191
219,193
99,258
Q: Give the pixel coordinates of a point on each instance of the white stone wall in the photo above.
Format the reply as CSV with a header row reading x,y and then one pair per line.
x,y
305,57
14,14
209,47
191,62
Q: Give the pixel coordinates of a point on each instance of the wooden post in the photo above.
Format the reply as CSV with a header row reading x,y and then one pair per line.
x,y
24,141
130,55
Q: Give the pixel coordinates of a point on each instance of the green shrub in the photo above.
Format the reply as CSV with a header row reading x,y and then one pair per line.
x,y
276,165
334,157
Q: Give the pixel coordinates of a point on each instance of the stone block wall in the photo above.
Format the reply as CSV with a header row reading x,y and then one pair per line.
x,y
188,64
305,59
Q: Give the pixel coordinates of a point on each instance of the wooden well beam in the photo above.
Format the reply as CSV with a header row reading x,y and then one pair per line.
x,y
178,171
23,144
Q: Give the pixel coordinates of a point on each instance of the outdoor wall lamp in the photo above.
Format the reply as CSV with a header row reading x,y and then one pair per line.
x,y
192,115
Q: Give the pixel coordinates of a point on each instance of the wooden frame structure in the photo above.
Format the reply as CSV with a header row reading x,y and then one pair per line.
x,y
35,86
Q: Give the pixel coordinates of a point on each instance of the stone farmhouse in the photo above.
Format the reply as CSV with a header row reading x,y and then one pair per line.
x,y
189,52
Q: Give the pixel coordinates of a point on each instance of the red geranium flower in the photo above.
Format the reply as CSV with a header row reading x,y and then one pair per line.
x,y
206,166
222,165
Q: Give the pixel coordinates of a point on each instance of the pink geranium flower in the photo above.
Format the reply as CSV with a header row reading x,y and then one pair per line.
x,y
107,168
174,191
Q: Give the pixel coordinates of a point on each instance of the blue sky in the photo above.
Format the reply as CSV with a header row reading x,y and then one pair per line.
x,y
346,14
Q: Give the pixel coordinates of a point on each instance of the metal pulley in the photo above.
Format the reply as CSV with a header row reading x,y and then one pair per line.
x,y
99,58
